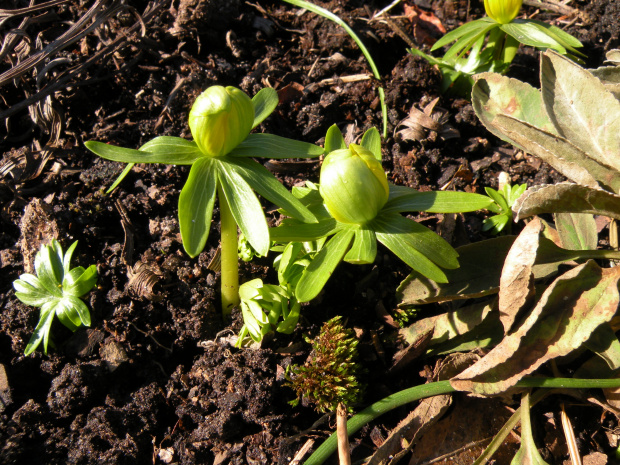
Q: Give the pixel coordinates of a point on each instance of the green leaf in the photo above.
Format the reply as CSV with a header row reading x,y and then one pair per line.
x,y
334,139
558,34
530,34
42,331
581,108
30,290
419,237
263,182
605,344
437,202
416,245
167,150
66,313
364,248
528,453
48,266
498,198
120,177
473,38
271,146
371,140
244,206
295,231
466,31
79,281
265,102
66,262
577,231
322,266
196,205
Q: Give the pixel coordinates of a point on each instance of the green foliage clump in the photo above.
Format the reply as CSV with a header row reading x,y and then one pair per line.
x,y
57,289
331,375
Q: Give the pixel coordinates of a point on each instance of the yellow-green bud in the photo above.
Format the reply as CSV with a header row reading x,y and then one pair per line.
x,y
220,119
502,11
353,185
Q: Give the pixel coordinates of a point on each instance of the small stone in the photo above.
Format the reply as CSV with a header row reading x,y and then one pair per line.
x,y
113,354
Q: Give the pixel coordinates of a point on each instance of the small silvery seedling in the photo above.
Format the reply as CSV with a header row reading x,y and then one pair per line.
x,y
358,207
57,289
221,165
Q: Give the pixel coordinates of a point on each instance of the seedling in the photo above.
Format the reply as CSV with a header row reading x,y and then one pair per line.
x,y
221,162
358,207
503,199
57,289
492,43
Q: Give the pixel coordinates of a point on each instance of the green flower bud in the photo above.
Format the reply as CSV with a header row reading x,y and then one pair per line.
x,y
220,119
353,185
502,11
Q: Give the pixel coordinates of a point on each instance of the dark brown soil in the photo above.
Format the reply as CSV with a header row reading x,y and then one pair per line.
x,y
154,379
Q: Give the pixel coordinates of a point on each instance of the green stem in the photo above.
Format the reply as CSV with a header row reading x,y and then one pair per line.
x,y
230,260
331,16
442,387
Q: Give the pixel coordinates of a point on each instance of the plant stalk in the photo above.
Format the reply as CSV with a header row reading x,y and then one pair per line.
x,y
442,387
230,259
344,454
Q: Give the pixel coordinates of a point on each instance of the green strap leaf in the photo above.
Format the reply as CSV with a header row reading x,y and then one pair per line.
x,y
66,262
167,150
437,202
265,101
120,177
244,206
470,29
411,238
265,183
67,314
531,34
296,231
371,140
322,266
364,248
562,37
334,139
271,146
196,205
42,331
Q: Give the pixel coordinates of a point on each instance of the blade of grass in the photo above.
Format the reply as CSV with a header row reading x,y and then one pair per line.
x,y
332,17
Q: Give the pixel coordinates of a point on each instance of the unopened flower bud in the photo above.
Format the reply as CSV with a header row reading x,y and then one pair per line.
x,y
502,11
220,119
353,185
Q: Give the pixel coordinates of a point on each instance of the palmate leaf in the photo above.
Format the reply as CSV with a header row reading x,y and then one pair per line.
x,y
196,205
262,181
296,231
79,281
244,206
265,101
531,34
49,268
322,266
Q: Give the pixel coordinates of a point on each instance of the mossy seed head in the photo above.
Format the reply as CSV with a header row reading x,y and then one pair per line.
x,y
220,119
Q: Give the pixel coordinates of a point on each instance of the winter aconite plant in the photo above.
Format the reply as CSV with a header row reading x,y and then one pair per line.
x,y
358,207
492,43
57,289
221,165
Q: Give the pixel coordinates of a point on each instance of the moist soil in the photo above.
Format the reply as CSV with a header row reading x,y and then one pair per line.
x,y
155,378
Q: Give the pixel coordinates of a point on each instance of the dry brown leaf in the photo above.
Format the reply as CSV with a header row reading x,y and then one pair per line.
x,y
568,312
516,285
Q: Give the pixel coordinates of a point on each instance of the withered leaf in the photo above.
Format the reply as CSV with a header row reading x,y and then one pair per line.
x,y
568,312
